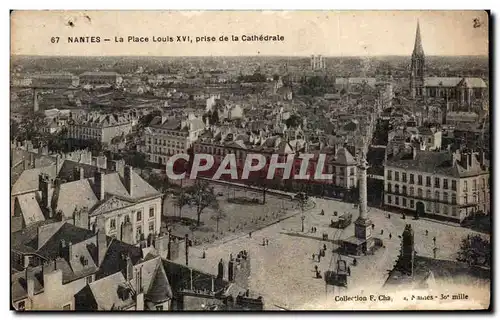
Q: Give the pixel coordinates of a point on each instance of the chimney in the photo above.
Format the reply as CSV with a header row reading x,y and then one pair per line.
x,y
69,251
32,160
44,186
464,160
482,158
62,247
81,218
52,280
30,282
127,176
118,166
99,184
129,268
58,161
102,246
139,298
414,151
186,244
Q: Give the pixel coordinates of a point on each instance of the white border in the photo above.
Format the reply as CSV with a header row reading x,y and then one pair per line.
x,y
207,5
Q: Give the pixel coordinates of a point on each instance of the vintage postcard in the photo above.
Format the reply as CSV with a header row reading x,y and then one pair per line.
x,y
250,160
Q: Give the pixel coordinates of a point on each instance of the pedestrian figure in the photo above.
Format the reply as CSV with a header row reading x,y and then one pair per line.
x,y
434,239
263,242
267,242
434,251
373,226
319,258
324,246
354,261
314,257
316,268
204,254
426,232
335,213
390,235
404,216
382,231
312,229
250,234
389,215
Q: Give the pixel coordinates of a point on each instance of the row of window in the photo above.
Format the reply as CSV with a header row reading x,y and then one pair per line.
x,y
437,195
90,131
165,151
437,181
420,180
138,218
165,142
420,194
437,206
170,133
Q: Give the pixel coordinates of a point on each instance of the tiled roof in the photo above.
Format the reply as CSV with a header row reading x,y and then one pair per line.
x,y
28,181
75,195
108,292
30,209
68,233
111,262
343,156
159,289
426,161
100,74
473,83
444,82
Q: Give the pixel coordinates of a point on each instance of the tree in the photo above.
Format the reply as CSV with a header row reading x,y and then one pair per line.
x,y
259,180
219,215
214,117
201,195
181,199
135,159
294,121
475,250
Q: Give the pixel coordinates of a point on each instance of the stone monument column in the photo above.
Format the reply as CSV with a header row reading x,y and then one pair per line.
x,y
362,226
363,196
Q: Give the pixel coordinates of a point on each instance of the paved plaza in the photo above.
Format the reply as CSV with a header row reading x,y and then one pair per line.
x,y
283,271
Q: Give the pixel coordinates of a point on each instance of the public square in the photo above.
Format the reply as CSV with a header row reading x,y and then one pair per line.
x,y
283,271
237,219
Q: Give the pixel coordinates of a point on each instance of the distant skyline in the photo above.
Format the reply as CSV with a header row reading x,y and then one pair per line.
x,y
329,33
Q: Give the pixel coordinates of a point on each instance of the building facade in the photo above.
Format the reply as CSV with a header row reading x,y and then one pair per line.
x,y
166,137
444,184
100,79
99,127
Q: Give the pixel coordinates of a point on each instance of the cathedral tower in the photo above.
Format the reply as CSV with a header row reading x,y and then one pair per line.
x,y
417,67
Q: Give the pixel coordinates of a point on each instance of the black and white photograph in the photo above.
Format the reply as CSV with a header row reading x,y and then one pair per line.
x,y
293,160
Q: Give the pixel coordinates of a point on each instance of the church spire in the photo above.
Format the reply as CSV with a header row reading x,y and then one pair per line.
x,y
418,50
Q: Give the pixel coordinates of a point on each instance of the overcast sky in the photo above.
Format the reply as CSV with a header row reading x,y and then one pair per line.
x,y
330,33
